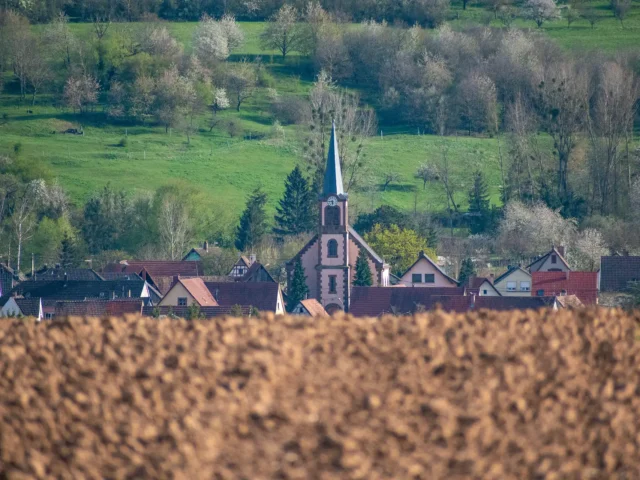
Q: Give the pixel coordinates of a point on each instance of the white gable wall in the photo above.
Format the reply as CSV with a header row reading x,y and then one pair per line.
x,y
423,267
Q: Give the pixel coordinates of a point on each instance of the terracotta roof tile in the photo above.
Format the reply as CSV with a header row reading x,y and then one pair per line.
x,y
584,285
199,291
314,308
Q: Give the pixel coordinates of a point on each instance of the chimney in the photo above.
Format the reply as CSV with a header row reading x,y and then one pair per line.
x,y
205,246
66,277
561,250
252,259
175,280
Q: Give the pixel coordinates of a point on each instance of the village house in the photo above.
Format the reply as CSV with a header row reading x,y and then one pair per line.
x,y
187,291
157,273
481,286
515,282
329,258
198,254
552,261
426,273
23,307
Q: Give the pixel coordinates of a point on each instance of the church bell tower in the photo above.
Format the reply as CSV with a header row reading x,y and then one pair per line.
x,y
333,269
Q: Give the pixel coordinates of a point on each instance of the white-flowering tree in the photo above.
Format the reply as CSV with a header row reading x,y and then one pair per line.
x,y
81,92
587,250
528,230
541,11
214,40
283,32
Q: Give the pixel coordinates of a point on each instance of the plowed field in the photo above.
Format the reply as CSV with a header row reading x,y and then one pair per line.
x,y
485,395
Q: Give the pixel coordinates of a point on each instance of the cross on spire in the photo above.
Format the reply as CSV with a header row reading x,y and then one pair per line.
x,y
333,173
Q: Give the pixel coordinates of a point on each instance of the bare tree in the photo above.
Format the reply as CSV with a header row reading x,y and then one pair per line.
x,y
388,178
609,120
620,9
591,15
60,39
23,217
353,125
478,102
283,32
174,227
562,103
37,73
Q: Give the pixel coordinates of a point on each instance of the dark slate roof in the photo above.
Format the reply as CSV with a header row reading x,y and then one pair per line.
x,y
512,303
473,285
120,276
256,273
58,273
98,308
262,295
30,307
78,290
159,268
182,312
616,273
333,173
376,301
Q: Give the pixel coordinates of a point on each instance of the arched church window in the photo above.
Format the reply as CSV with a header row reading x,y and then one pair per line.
x,y
332,246
332,216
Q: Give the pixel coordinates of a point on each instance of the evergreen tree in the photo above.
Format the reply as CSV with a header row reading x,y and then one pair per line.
x,y
253,223
467,270
298,289
363,276
296,209
68,253
432,236
479,205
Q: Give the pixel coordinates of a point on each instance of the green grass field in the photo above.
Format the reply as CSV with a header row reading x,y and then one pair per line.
x,y
226,169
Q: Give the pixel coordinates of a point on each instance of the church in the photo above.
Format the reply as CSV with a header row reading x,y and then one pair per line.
x,y
329,258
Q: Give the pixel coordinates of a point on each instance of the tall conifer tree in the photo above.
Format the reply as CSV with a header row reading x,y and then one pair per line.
x,y
296,208
298,289
467,270
479,207
253,223
363,277
68,253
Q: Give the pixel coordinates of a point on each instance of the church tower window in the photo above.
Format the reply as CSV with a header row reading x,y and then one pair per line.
x,y
332,216
332,248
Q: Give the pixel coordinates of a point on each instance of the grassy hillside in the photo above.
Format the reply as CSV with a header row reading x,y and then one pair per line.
x,y
227,168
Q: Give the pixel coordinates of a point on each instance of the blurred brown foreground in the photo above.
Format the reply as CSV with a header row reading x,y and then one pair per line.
x,y
514,395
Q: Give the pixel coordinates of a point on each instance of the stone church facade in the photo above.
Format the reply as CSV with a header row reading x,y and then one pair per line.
x,y
329,258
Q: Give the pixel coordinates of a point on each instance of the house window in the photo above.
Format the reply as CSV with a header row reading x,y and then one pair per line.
x,y
429,278
416,278
48,316
563,293
182,301
511,286
540,293
332,216
525,286
333,248
554,259
484,292
333,287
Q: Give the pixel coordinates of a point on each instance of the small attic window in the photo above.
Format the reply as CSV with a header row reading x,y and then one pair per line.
x,y
554,259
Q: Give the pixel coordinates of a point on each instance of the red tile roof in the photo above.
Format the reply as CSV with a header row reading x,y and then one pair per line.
x,y
583,285
123,306
199,291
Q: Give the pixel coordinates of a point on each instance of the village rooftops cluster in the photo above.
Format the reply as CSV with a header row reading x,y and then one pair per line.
x,y
328,261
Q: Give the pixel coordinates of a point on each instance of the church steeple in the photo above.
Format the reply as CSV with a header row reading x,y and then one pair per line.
x,y
333,173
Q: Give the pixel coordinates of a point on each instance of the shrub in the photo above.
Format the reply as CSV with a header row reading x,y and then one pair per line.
x,y
124,141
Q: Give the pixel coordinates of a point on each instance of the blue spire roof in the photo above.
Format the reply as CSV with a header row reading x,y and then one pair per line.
x,y
333,173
